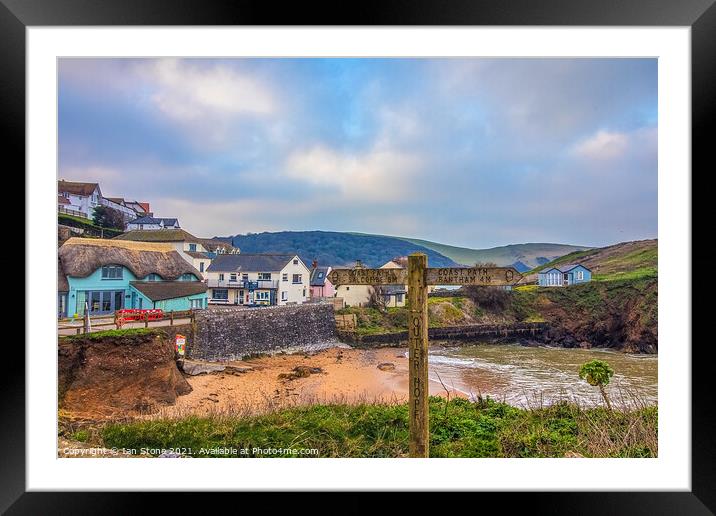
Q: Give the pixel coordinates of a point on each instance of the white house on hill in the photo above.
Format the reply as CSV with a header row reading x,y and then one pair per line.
x,y
153,223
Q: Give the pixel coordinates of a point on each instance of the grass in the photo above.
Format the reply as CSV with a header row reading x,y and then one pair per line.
x,y
458,428
99,335
71,220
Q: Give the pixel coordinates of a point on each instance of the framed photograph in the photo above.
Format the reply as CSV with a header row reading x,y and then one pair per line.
x,y
442,248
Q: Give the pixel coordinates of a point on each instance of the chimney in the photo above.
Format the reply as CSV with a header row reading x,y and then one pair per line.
x,y
314,264
359,264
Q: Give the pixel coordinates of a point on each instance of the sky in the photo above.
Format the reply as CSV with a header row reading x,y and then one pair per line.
x,y
471,152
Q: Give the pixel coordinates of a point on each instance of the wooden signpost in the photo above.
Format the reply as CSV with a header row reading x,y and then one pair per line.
x,y
418,276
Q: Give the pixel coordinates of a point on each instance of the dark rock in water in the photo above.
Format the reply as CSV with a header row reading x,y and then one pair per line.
x,y
386,366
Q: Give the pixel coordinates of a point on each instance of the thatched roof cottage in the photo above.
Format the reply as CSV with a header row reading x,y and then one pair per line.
x,y
109,275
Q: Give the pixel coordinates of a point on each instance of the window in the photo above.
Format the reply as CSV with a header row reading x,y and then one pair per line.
x,y
262,295
187,276
295,262
112,272
296,278
348,288
232,277
197,303
304,292
201,266
153,277
192,247
284,296
580,275
320,275
284,276
221,276
398,298
221,293
245,277
264,275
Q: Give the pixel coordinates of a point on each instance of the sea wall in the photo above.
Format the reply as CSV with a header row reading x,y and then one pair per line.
x,y
229,333
518,332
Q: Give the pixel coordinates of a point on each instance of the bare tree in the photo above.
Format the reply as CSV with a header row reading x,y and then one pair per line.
x,y
376,298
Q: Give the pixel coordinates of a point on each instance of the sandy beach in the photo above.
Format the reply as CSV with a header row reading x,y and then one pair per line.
x,y
347,376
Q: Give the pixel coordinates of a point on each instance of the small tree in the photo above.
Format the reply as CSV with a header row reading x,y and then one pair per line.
x,y
376,298
597,373
107,217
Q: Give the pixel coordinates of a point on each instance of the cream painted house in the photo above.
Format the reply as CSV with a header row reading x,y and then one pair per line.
x,y
359,295
197,251
258,279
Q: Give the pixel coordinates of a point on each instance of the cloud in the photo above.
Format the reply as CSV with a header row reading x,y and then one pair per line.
x,y
475,152
185,91
378,175
604,145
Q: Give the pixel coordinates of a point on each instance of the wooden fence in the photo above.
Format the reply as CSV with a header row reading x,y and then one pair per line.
x,y
345,322
170,316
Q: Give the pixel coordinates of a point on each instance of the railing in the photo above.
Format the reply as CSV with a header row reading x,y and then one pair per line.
x,y
62,209
146,319
243,284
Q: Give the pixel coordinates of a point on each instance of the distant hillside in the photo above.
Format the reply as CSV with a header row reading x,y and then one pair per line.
x,y
334,248
621,261
522,256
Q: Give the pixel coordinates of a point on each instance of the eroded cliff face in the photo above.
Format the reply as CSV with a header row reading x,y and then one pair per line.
x,y
118,375
615,314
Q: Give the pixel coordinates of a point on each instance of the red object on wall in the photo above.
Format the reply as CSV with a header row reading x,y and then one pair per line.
x,y
152,314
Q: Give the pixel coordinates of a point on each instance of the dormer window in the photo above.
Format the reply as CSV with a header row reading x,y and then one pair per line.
x,y
187,276
112,272
192,247
153,277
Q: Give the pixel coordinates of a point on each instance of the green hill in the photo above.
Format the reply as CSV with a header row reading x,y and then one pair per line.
x,y
626,260
335,248
523,256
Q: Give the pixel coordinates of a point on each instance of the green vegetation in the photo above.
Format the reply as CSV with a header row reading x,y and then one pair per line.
x,y
129,332
624,261
458,428
597,373
80,435
573,257
90,228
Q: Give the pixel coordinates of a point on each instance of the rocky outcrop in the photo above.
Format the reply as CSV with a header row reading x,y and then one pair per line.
x,y
122,374
616,314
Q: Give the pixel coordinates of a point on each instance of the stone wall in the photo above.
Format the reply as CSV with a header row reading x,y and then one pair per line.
x,y
519,332
229,333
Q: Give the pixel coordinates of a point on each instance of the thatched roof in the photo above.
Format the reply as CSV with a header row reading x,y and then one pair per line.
x,y
159,290
80,257
62,283
76,188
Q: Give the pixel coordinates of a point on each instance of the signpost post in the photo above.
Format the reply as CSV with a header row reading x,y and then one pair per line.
x,y
418,276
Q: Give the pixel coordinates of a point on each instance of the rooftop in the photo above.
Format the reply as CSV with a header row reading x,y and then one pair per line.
x,y
76,188
249,262
159,290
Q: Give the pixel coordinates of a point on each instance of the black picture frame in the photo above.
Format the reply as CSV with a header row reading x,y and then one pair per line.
x,y
700,15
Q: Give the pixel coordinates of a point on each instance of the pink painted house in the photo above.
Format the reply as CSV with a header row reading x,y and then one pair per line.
x,y
320,286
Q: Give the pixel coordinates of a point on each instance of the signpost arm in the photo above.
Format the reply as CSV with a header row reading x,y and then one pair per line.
x,y
418,354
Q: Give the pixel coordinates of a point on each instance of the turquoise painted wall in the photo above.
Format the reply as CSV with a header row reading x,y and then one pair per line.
x,y
78,286
76,296
543,278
